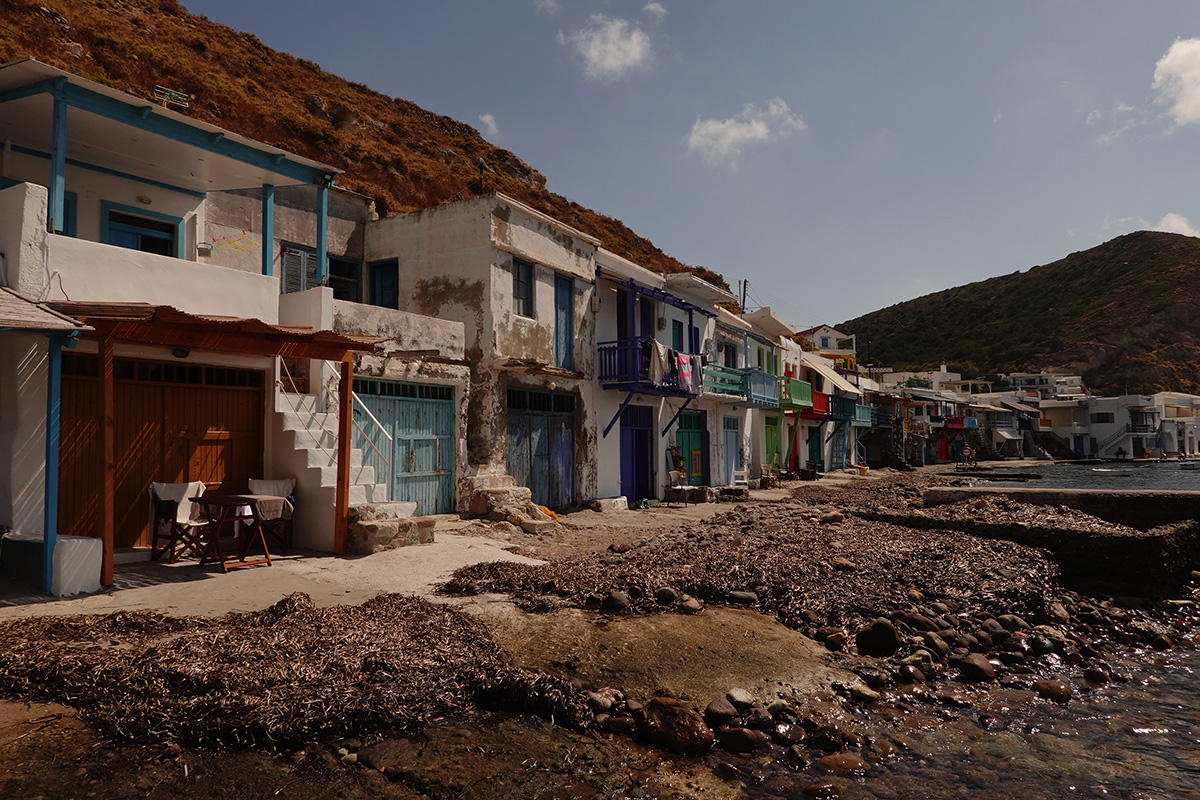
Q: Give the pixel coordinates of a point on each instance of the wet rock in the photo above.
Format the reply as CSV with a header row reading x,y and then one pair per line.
x,y
843,763
995,630
691,605
719,712
882,790
1096,675
757,718
883,747
614,602
826,739
1040,645
911,674
738,740
665,595
619,724
1012,623
821,791
936,644
1056,688
920,622
673,726
863,694
880,638
786,734
604,699
872,676
743,598
1058,612
832,517
740,699
975,668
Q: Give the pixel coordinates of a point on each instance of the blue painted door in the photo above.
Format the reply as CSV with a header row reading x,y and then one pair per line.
x,y
541,445
564,322
419,419
731,432
637,460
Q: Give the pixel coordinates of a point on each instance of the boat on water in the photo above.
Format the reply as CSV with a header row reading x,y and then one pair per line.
x,y
1190,465
1112,473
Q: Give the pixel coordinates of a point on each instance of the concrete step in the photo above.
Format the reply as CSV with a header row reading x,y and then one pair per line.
x,y
289,401
362,494
384,510
373,536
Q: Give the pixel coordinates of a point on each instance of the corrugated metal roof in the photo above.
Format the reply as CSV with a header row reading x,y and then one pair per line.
x,y
19,313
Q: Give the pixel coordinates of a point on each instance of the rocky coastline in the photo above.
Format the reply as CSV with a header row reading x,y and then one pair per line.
x,y
813,647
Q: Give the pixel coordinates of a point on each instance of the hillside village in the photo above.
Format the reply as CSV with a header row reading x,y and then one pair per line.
x,y
184,305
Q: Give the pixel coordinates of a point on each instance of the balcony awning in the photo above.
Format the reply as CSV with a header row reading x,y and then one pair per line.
x,y
999,434
831,375
18,313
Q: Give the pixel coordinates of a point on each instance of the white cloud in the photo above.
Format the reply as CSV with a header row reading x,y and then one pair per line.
x,y
609,47
656,10
1176,223
490,129
1094,117
1124,225
1177,81
548,6
720,141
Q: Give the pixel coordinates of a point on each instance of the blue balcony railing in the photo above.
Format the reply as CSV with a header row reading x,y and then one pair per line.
x,y
864,416
762,388
626,364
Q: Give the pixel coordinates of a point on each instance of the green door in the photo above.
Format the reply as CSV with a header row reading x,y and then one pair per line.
x,y
772,425
816,447
690,440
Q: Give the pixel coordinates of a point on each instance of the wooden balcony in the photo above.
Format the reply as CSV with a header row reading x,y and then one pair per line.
x,y
727,381
842,408
762,388
959,422
820,407
864,416
795,395
624,365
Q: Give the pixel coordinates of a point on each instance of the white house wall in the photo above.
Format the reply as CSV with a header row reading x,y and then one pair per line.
x,y
23,431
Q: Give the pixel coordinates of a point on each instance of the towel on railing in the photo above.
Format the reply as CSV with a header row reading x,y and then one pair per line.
x,y
658,364
683,367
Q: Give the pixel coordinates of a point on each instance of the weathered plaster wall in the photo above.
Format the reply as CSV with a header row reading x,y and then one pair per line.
x,y
23,236
407,331
23,431
232,225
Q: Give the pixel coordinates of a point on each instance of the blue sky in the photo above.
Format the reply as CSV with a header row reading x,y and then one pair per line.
x,y
841,156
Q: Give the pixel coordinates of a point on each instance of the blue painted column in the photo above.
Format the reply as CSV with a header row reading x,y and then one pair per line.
x,y
53,413
58,164
268,229
322,232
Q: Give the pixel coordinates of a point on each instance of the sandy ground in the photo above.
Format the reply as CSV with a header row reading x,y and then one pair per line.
x,y
184,589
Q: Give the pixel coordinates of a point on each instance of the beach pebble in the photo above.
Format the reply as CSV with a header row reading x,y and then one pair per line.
x,y
671,725
975,668
1056,688
843,763
743,598
740,699
719,712
880,638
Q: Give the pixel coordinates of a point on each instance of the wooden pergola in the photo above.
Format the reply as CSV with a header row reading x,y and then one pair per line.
x,y
164,326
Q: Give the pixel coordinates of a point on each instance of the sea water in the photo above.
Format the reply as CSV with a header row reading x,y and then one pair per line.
x,y
1122,476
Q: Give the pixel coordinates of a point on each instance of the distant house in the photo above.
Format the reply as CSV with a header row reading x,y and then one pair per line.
x,y
840,348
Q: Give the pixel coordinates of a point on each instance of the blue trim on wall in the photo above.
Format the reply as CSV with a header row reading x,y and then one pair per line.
x,y
322,233
58,163
268,231
53,413
106,207
74,162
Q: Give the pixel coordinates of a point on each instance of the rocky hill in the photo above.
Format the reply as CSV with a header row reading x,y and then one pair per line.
x,y
390,149
1122,314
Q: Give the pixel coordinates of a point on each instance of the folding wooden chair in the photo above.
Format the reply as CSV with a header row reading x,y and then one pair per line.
x,y
277,531
175,522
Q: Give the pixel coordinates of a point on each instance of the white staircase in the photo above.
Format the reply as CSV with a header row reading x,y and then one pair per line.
x,y
306,449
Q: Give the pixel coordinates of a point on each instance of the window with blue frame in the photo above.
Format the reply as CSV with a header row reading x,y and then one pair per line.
x,y
677,335
385,283
522,287
146,231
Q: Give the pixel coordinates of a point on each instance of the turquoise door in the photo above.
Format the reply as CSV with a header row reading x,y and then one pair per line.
x,y
418,461
690,440
731,433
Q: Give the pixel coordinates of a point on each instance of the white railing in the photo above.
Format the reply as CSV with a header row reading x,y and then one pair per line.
x,y
386,460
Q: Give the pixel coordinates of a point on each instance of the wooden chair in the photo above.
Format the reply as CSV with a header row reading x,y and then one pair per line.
x,y
675,491
277,531
175,521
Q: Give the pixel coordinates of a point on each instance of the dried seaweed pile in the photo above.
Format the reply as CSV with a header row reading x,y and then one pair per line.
x,y
289,674
803,570
1002,510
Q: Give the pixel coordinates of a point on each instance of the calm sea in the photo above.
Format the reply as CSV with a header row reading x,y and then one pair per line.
x,y
1164,475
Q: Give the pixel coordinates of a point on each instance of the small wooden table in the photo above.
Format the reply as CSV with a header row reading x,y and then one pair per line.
x,y
222,511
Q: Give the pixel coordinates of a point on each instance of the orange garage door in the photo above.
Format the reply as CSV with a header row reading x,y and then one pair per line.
x,y
175,422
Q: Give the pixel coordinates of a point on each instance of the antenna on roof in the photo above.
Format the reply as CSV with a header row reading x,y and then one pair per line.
x,y
170,97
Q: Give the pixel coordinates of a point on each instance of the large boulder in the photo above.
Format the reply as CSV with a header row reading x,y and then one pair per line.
x,y
880,638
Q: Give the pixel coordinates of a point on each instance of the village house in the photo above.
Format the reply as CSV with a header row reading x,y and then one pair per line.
x,y
201,262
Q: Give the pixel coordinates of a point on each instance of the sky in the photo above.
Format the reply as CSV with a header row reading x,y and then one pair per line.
x,y
841,156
